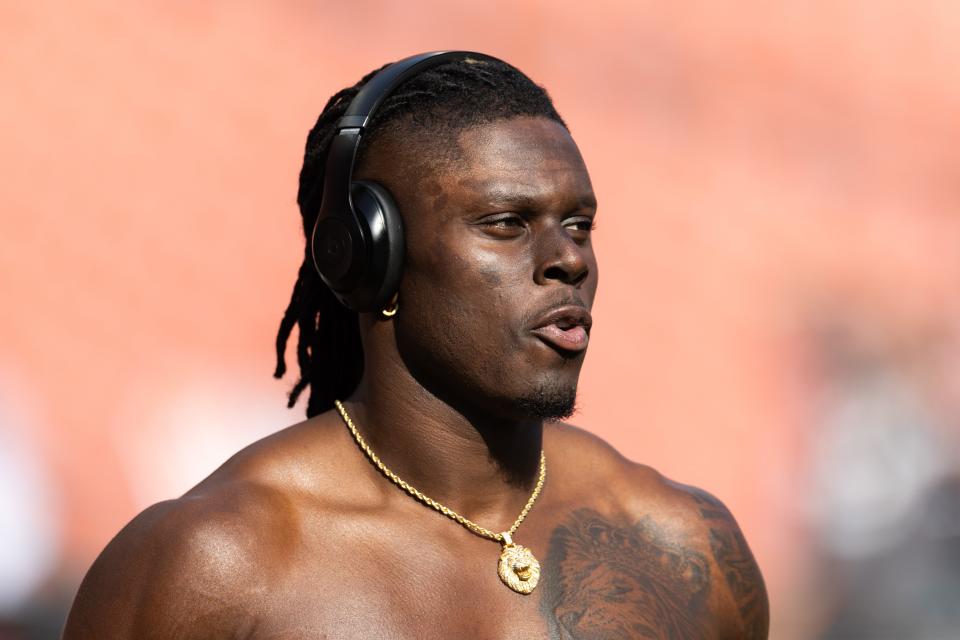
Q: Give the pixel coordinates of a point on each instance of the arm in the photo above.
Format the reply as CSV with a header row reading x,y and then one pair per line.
x,y
747,610
179,570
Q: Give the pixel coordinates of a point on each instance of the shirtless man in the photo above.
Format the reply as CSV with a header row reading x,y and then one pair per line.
x,y
456,384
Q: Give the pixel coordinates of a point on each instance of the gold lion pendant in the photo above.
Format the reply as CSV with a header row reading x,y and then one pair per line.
x,y
518,568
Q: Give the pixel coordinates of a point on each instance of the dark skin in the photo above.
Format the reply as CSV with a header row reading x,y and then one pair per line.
x,y
298,536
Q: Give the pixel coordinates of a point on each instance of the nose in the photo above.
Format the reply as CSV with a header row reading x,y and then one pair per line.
x,y
562,259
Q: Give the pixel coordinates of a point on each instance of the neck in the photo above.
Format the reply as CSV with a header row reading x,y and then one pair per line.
x,y
479,465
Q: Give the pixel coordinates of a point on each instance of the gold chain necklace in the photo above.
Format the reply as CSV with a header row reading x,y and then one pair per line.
x,y
518,568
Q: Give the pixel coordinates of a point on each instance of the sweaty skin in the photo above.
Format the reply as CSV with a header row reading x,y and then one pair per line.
x,y
298,536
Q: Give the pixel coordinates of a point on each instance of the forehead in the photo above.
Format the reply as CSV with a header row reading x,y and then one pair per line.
x,y
530,162
516,141
532,157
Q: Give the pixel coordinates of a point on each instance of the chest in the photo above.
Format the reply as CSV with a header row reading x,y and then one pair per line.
x,y
597,580
420,590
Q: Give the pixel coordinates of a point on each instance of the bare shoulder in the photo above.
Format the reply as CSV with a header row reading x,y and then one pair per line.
x,y
586,464
195,567
186,568
619,485
679,536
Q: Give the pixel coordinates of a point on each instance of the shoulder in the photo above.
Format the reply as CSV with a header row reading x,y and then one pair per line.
x,y
590,470
205,564
682,532
595,473
710,526
192,567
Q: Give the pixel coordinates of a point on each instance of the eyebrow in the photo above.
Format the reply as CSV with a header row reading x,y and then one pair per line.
x,y
505,196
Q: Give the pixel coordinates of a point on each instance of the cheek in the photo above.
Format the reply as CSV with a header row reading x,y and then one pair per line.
x,y
461,305
460,271
490,275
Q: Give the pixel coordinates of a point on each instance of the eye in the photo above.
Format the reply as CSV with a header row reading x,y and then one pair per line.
x,y
505,224
581,225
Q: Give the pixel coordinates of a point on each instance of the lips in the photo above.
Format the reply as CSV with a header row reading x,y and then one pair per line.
x,y
565,328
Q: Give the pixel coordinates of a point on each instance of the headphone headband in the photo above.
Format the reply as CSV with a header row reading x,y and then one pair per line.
x,y
350,127
365,103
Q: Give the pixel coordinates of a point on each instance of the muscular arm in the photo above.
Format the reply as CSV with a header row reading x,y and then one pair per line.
x,y
737,567
181,569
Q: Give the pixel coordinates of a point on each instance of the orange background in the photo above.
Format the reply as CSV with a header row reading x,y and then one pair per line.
x,y
767,176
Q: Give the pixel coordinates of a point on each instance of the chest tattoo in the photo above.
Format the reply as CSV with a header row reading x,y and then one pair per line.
x,y
608,580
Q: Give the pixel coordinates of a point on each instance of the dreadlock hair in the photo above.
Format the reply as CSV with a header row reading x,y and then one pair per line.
x,y
445,100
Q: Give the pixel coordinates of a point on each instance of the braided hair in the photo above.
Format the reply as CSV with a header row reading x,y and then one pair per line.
x,y
443,100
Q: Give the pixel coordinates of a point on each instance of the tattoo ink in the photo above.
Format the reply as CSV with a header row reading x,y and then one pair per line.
x,y
736,564
608,580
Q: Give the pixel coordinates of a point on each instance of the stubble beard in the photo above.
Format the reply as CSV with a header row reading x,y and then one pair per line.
x,y
550,402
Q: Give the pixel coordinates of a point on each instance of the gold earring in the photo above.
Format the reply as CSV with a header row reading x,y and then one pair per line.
x,y
391,309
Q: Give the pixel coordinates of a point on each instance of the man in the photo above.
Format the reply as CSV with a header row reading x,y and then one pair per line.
x,y
443,498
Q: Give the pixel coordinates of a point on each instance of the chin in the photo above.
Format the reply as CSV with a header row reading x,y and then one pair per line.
x,y
549,402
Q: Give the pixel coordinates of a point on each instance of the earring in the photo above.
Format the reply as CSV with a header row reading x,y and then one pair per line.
x,y
391,309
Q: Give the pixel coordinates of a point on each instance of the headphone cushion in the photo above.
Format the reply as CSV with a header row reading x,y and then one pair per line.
x,y
384,246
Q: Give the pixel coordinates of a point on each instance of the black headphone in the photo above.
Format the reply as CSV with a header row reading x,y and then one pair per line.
x,y
357,242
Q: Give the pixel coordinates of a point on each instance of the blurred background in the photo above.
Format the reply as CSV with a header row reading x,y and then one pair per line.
x,y
778,235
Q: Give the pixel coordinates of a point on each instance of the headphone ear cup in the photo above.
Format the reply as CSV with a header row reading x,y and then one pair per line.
x,y
384,242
